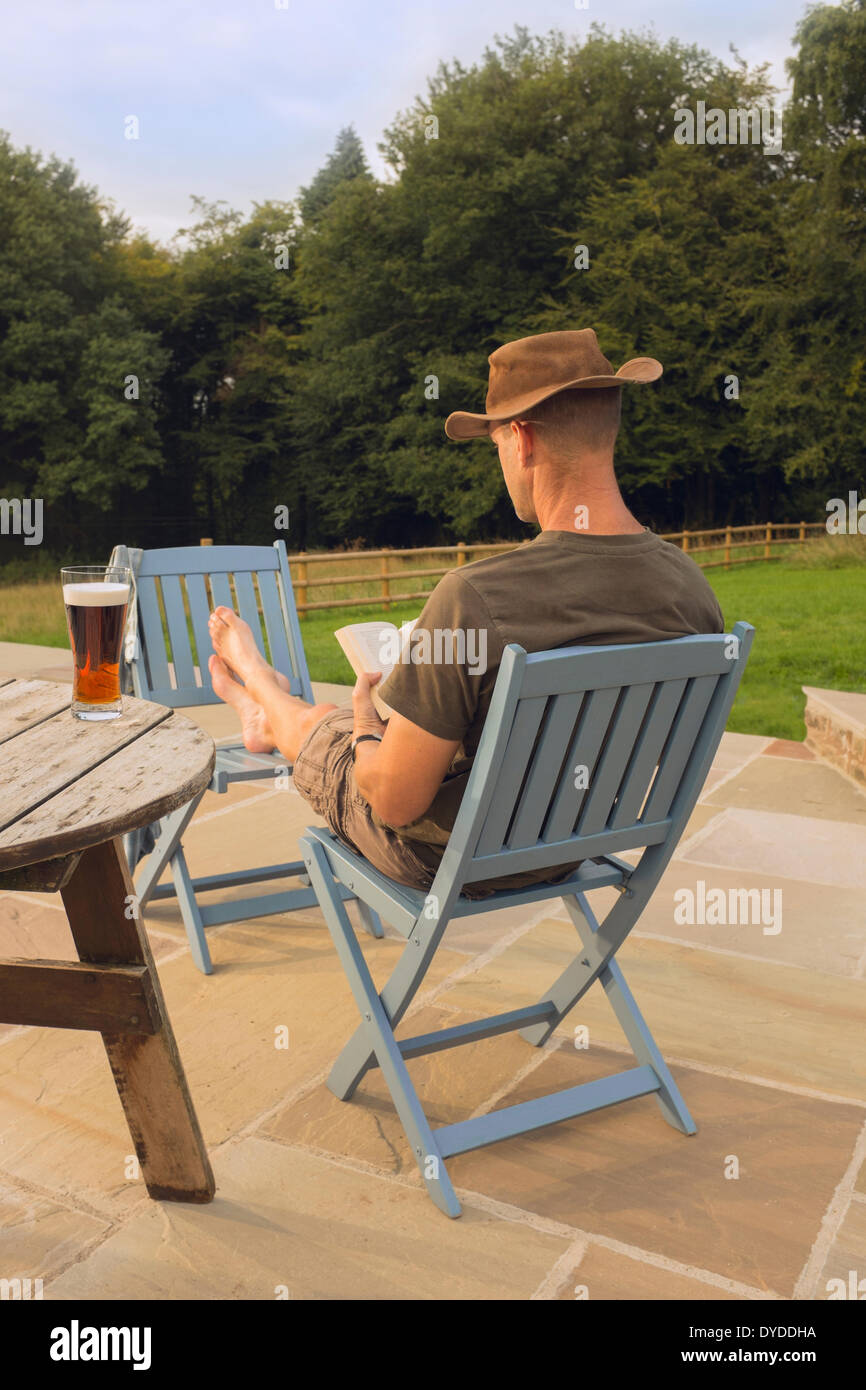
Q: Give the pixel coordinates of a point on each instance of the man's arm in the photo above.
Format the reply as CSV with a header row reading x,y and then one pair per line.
x,y
400,776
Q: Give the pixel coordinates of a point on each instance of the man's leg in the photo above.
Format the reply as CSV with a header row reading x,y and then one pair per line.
x,y
270,717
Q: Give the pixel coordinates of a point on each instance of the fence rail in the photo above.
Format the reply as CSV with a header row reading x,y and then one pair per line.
x,y
315,570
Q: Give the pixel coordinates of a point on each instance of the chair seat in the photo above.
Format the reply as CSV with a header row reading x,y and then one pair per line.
x,y
234,763
401,905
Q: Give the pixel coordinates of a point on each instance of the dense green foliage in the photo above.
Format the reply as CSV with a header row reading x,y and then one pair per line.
x,y
306,356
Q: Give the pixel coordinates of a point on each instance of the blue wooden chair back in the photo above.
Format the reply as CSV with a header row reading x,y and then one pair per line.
x,y
587,751
178,588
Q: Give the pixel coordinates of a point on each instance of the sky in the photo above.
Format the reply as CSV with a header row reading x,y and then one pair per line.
x,y
243,99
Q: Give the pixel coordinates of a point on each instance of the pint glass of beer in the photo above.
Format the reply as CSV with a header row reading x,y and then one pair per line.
x,y
96,598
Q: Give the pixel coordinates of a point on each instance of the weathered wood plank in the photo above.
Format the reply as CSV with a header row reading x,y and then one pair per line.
x,y
161,770
43,760
26,703
47,877
147,1070
70,994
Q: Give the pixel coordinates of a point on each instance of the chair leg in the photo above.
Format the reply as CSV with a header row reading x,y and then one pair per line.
x,y
189,911
622,1002
600,944
379,1035
156,863
643,1044
356,1058
370,920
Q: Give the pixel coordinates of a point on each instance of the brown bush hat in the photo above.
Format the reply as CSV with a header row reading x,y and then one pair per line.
x,y
527,371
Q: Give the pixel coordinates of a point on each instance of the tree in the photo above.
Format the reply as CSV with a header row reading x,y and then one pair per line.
x,y
347,162
808,413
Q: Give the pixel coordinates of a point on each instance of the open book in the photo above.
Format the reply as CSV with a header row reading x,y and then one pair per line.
x,y
375,647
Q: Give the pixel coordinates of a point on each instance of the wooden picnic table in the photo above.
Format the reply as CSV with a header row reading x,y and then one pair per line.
x,y
68,790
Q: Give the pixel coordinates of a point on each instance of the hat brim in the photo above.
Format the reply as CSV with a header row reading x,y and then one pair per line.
x,y
462,424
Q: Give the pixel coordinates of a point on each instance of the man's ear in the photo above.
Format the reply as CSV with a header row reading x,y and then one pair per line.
x,y
524,438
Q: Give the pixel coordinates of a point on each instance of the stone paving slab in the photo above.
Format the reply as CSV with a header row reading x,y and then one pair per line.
x,y
289,1220
846,1260
789,1026
39,1237
808,848
627,1174
62,1127
789,922
608,1274
791,785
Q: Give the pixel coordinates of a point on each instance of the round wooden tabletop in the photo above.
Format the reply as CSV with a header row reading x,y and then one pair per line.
x,y
67,783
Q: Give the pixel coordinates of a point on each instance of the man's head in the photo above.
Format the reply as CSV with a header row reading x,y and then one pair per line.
x,y
552,410
566,441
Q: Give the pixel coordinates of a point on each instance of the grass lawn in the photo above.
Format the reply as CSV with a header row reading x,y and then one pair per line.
x,y
810,626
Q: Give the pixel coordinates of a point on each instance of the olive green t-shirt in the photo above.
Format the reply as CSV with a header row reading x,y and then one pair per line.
x,y
560,589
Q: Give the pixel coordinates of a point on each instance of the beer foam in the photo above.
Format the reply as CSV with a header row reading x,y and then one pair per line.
x,y
99,595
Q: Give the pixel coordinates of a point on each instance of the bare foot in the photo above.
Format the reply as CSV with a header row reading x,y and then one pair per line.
x,y
254,725
233,641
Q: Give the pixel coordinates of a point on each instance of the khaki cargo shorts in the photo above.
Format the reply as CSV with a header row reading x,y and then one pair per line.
x,y
324,774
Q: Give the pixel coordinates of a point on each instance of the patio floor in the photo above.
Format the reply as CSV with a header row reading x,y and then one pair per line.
x,y
763,1029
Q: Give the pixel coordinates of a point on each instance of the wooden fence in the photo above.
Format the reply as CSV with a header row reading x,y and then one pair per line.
x,y
385,571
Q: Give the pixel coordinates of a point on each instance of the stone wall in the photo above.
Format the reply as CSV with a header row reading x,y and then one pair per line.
x,y
836,730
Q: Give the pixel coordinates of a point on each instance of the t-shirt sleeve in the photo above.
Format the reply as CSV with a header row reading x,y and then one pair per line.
x,y
453,645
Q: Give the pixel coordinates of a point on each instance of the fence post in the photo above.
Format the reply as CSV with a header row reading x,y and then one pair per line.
x,y
802,531
727,548
685,540
767,539
461,552
301,586
386,587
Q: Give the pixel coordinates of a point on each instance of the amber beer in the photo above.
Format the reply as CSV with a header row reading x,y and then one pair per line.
x,y
96,601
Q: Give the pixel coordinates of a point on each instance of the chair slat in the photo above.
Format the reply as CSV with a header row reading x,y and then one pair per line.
x,y
248,605
221,589
276,629
178,633
207,559
293,627
618,748
542,780
597,709
199,609
682,738
521,741
665,703
156,658
591,668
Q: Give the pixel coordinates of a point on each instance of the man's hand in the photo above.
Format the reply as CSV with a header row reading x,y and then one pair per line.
x,y
400,776
367,720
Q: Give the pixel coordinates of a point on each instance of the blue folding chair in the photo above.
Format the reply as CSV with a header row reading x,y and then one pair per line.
x,y
586,751
176,591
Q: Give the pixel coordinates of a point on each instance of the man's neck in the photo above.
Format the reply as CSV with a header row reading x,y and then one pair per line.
x,y
586,498
590,514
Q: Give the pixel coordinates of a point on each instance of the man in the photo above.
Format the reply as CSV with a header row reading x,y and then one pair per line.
x,y
594,575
